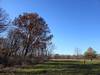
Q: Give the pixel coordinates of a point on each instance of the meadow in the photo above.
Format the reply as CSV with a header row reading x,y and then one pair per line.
x,y
59,67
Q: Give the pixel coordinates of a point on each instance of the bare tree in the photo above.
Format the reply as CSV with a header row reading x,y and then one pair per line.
x,y
4,20
32,37
77,52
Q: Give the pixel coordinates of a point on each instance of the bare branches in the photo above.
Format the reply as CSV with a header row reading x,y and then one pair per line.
x,y
35,30
3,20
31,37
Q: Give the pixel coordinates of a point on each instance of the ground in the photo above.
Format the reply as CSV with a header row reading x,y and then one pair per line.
x,y
59,67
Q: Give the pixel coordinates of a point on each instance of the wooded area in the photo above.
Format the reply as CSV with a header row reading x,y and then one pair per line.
x,y
28,42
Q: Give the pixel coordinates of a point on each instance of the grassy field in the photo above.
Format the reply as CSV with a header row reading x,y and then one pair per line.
x,y
60,67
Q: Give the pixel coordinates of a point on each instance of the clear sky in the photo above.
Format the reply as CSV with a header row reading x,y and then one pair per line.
x,y
74,23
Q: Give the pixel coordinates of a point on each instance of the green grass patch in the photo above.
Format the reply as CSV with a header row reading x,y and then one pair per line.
x,y
61,68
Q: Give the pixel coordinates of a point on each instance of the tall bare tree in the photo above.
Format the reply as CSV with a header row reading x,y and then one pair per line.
x,y
34,35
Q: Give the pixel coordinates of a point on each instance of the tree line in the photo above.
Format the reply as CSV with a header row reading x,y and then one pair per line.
x,y
89,54
28,42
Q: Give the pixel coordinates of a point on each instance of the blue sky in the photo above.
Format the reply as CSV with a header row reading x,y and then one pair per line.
x,y
74,23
